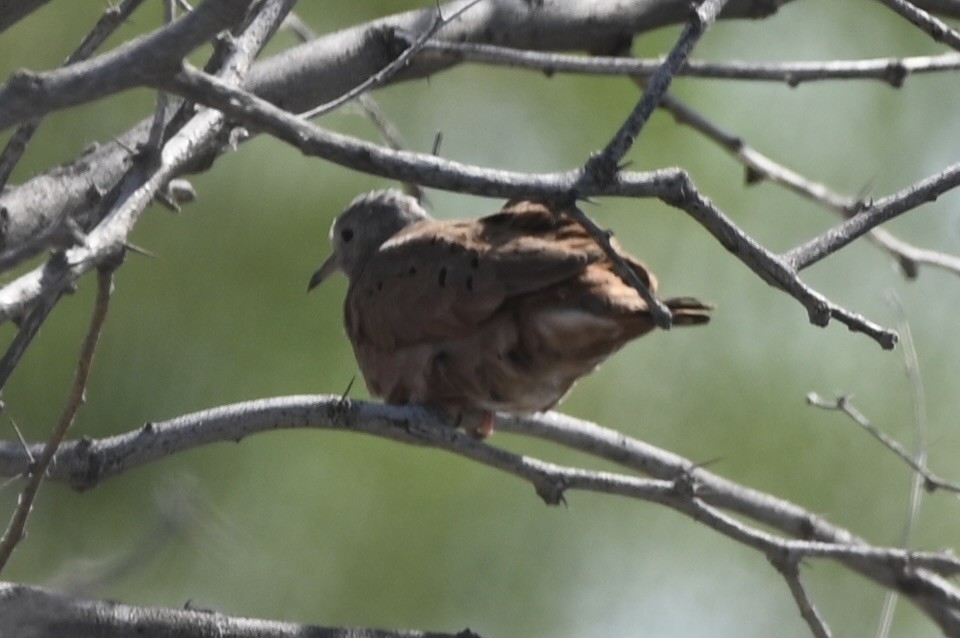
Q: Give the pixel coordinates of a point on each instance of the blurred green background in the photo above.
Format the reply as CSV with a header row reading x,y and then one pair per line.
x,y
339,529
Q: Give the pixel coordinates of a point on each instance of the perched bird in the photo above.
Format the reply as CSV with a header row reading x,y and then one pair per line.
x,y
502,313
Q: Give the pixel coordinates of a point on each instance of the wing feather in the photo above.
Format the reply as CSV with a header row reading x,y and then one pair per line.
x,y
442,279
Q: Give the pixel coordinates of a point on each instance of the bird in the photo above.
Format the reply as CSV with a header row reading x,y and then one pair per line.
x,y
503,313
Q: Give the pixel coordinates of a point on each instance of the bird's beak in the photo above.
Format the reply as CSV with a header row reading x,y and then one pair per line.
x,y
330,266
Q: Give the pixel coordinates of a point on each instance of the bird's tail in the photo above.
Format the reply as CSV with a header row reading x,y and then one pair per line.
x,y
688,311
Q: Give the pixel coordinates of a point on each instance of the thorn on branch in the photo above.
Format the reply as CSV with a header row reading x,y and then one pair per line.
x,y
600,169
685,485
551,489
753,175
896,73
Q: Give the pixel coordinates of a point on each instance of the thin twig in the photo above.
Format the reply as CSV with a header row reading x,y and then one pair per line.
x,y
18,522
911,364
155,136
844,404
29,327
760,166
604,239
298,27
391,136
937,29
366,104
671,185
892,71
789,568
872,215
23,441
380,77
604,164
112,18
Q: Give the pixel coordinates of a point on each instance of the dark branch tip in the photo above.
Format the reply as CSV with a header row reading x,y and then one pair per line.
x,y
551,489
752,175
896,74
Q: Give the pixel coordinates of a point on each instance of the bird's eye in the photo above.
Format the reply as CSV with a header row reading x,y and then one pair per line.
x,y
346,235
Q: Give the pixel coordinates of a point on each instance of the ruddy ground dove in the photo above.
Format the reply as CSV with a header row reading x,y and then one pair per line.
x,y
501,313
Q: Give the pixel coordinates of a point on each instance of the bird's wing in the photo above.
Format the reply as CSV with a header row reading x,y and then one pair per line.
x,y
440,280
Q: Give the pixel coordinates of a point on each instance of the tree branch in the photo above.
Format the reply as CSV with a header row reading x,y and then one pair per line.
x,y
112,18
16,529
142,183
872,215
35,612
892,71
790,571
28,95
690,490
673,186
939,30
13,11
321,70
843,404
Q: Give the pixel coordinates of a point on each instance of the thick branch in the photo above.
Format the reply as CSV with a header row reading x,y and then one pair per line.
x,y
33,214
31,612
28,95
695,493
144,182
13,11
106,25
321,69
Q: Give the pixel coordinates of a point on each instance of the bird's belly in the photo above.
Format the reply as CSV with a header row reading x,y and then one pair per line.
x,y
462,375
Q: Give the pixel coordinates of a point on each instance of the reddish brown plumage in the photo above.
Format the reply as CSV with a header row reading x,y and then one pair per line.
x,y
504,312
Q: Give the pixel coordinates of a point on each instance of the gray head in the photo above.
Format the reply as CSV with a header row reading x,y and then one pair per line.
x,y
361,229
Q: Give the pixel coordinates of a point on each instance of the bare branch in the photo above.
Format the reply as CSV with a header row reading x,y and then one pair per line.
x,y
328,66
142,184
892,71
761,167
18,522
937,29
673,186
603,165
28,328
87,462
383,75
790,570
843,404
872,215
112,18
28,95
15,10
32,611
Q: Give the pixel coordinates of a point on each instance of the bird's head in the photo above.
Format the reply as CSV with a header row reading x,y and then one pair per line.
x,y
357,233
